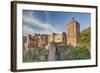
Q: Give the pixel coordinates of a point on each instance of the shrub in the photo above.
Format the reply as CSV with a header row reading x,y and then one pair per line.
x,y
76,54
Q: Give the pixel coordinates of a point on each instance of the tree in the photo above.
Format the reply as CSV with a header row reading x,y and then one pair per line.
x,y
85,38
76,54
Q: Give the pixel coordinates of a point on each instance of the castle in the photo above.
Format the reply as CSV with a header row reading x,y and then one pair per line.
x,y
70,37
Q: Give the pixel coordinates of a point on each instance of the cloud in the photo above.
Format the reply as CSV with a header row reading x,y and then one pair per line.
x,y
28,19
27,30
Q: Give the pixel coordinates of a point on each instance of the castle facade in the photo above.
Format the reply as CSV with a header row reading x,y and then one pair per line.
x,y
70,37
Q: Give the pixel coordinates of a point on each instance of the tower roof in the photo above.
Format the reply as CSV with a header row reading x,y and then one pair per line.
x,y
73,20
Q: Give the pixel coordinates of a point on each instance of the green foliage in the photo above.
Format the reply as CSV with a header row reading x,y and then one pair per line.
x,y
77,54
85,39
37,54
40,51
25,59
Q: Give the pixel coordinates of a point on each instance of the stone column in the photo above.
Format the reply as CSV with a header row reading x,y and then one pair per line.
x,y
52,52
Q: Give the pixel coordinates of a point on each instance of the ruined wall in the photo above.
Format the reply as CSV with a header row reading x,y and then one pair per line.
x,y
43,41
58,38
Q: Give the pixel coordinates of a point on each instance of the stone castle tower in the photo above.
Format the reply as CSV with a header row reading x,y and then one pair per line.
x,y
73,32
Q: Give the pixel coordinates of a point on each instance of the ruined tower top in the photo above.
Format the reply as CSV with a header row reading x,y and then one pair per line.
x,y
73,18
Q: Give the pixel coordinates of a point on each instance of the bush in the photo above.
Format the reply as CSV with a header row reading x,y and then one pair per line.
x,y
77,54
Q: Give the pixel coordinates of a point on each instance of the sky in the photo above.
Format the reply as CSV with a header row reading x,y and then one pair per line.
x,y
47,22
